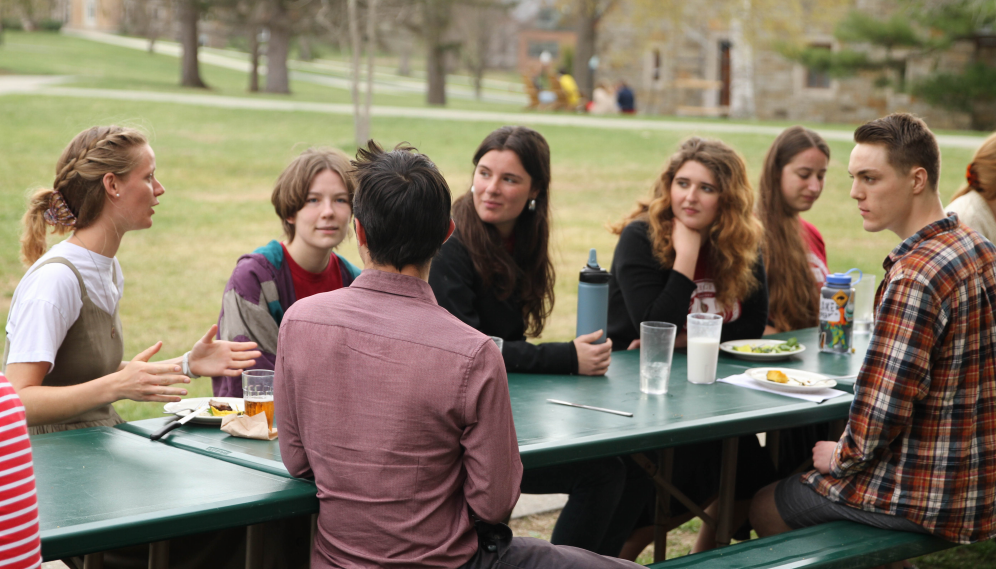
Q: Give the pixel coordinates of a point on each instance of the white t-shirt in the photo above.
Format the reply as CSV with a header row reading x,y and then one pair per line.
x,y
973,210
48,301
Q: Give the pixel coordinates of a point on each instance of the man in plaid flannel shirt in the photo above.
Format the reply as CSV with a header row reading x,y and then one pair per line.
x,y
919,450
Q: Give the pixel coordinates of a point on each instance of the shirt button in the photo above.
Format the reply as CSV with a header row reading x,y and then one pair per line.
x,y
114,333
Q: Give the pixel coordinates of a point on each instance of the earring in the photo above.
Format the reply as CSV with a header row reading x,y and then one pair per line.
x,y
118,195
472,190
532,205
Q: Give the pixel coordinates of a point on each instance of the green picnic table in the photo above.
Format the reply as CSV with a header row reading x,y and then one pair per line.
x,y
102,488
552,434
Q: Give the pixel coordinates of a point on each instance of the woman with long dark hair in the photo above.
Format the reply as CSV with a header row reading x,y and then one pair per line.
x,y
794,252
495,274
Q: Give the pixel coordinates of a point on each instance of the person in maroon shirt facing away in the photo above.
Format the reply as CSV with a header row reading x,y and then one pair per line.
x,y
397,409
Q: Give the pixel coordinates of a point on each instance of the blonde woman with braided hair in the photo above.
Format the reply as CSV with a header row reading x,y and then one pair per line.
x,y
64,346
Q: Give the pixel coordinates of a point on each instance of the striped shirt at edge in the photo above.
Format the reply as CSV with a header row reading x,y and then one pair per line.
x,y
920,441
20,541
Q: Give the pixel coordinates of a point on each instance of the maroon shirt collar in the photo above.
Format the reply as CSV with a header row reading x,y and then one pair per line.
x,y
394,283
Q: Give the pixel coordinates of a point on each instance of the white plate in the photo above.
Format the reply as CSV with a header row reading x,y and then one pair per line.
x,y
819,381
185,406
727,347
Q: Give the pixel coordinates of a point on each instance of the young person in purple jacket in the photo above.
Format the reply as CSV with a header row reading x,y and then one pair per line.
x,y
314,199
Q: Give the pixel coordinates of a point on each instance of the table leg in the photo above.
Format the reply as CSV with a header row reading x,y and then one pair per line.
x,y
771,444
254,546
662,513
93,561
837,429
314,532
727,488
159,555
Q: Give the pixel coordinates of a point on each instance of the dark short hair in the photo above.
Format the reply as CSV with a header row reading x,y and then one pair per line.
x,y
908,143
403,203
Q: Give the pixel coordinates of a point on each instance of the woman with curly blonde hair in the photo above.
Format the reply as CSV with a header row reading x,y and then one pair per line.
x,y
694,246
698,224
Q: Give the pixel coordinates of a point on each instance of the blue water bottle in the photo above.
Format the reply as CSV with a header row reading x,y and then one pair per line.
x,y
593,299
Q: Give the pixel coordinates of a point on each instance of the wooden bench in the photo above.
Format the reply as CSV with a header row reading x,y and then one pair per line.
x,y
836,545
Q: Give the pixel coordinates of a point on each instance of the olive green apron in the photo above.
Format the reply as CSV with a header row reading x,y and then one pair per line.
x,y
93,348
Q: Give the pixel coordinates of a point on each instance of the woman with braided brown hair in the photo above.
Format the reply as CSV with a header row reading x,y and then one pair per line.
x,y
64,345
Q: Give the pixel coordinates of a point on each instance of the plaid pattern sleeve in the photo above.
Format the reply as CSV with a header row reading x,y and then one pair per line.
x,y
920,441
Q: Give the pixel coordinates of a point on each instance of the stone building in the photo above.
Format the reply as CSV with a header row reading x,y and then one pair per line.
x,y
707,66
98,15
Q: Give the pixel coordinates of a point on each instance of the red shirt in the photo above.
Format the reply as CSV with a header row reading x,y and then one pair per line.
x,y
20,540
817,252
307,283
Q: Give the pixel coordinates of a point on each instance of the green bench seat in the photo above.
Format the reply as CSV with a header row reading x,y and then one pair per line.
x,y
836,545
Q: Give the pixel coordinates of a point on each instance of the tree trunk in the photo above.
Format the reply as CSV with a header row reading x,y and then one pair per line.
x,y
304,48
190,73
361,127
276,56
585,48
371,52
254,59
435,19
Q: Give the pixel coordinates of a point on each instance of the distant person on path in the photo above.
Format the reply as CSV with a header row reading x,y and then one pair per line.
x,y
397,409
495,275
313,197
625,98
975,202
570,87
794,252
64,338
603,100
919,450
20,538
694,246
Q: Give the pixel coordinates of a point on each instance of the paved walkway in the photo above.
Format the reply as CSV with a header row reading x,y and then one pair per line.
x,y
47,87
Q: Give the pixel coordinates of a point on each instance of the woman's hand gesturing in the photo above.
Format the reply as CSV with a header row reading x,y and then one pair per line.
x,y
214,358
140,380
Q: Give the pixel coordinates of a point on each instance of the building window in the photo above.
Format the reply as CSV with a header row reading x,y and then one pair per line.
x,y
656,75
815,78
91,12
536,48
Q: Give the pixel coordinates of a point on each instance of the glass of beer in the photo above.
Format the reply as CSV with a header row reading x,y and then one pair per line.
x,y
257,393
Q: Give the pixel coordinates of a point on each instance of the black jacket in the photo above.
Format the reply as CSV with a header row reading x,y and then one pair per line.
x,y
459,289
642,291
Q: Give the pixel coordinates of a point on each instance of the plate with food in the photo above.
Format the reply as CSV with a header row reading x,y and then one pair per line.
x,y
791,380
219,407
763,350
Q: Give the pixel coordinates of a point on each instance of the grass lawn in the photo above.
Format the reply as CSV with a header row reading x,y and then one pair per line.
x,y
97,65
218,167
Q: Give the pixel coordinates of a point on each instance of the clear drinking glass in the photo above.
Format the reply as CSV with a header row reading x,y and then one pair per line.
x,y
257,393
498,341
656,349
864,304
703,346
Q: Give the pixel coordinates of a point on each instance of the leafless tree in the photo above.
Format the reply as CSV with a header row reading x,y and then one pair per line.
x,y
188,14
588,13
478,26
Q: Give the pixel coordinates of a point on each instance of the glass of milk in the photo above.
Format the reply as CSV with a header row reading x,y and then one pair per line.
x,y
656,349
703,346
